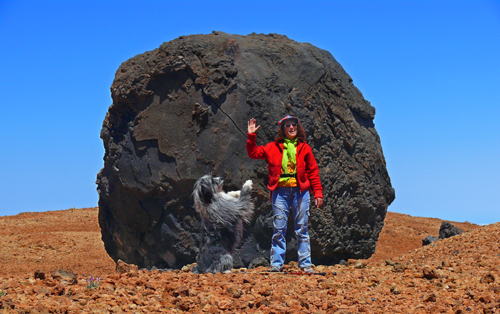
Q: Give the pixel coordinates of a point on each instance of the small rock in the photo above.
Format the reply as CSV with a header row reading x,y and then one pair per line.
x,y
65,277
430,273
82,302
327,284
488,278
360,264
398,268
57,290
428,240
225,304
122,267
395,290
184,305
485,299
41,290
39,274
235,293
350,262
495,289
430,297
182,291
483,264
188,268
448,230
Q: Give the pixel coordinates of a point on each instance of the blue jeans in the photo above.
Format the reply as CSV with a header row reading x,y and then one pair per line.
x,y
284,199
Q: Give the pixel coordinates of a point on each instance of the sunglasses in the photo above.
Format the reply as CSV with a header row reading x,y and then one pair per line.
x,y
289,125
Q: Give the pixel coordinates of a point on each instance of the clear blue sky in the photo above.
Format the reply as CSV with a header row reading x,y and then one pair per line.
x,y
430,68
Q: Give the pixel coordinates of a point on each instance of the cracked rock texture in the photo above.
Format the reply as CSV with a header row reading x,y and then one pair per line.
x,y
180,111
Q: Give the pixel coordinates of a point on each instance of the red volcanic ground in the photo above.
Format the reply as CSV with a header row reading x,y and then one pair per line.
x,y
455,275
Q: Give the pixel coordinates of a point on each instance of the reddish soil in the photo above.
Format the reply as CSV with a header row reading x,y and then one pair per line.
x,y
455,275
65,239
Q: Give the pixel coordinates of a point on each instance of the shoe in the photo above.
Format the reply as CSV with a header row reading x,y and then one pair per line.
x,y
275,269
308,270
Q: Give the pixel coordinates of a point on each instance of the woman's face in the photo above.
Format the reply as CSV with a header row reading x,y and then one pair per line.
x,y
290,129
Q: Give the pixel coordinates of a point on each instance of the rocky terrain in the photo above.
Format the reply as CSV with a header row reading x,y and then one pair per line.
x,y
455,275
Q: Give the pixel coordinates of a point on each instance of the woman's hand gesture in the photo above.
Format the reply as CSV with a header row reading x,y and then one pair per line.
x,y
318,201
251,126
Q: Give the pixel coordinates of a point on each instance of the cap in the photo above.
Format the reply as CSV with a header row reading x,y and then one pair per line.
x,y
288,118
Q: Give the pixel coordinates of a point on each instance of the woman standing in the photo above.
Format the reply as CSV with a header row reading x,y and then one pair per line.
x,y
293,171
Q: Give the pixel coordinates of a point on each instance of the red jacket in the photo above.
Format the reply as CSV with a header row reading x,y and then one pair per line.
x,y
307,168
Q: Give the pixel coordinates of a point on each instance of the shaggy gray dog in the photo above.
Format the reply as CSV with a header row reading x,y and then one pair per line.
x,y
222,216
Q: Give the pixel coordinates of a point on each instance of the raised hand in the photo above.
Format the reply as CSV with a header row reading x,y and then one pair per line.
x,y
251,126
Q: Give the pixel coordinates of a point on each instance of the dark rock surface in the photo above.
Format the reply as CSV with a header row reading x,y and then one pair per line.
x,y
180,111
448,230
428,240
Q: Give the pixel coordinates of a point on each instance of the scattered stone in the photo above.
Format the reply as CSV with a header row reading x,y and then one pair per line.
x,y
235,293
495,289
182,291
430,297
428,240
483,264
448,230
57,290
122,267
431,273
395,290
188,268
488,278
373,281
65,277
485,299
249,280
389,263
398,268
471,294
39,274
357,264
41,290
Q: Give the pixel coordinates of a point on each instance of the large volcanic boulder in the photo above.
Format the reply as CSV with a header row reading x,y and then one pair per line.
x,y
181,111
448,230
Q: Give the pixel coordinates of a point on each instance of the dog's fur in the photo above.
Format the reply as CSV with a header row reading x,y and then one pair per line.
x,y
222,216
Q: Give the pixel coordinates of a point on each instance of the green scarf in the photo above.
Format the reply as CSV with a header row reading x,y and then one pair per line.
x,y
289,153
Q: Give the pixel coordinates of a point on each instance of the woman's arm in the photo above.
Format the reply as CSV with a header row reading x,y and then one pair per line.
x,y
312,171
254,151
